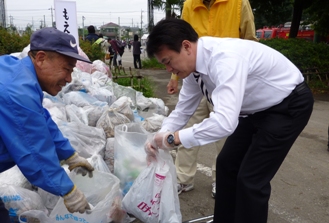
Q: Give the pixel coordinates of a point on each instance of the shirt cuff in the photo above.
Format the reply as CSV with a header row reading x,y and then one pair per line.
x,y
187,139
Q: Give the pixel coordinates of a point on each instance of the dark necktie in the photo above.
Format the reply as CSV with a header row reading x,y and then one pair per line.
x,y
202,86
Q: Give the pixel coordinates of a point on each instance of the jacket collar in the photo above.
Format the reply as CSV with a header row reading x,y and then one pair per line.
x,y
199,3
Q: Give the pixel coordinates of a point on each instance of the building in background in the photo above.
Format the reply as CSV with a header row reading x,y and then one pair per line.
x,y
111,30
114,30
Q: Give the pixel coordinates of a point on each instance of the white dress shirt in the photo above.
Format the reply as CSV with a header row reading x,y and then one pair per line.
x,y
242,77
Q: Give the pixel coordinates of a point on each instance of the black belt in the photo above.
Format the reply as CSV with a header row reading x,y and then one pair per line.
x,y
299,88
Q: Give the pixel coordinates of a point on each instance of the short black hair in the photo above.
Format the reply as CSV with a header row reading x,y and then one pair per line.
x,y
170,33
91,29
135,37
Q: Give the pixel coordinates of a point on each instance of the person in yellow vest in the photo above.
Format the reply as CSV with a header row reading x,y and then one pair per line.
x,y
104,45
217,18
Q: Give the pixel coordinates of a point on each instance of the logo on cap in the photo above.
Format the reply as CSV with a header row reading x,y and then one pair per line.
x,y
73,44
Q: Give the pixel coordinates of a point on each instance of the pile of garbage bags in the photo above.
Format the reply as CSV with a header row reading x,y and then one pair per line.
x,y
106,123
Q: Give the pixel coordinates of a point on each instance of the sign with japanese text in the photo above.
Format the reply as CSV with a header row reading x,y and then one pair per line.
x,y
66,18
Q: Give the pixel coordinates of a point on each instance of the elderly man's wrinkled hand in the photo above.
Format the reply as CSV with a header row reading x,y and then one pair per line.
x,y
75,201
80,165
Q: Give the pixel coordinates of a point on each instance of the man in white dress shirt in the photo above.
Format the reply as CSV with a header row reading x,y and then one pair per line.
x,y
260,101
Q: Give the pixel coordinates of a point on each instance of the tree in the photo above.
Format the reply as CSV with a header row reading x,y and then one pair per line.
x,y
28,29
318,16
128,30
275,12
271,12
169,6
299,6
12,28
150,15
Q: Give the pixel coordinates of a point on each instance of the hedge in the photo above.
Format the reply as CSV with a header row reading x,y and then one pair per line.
x,y
311,58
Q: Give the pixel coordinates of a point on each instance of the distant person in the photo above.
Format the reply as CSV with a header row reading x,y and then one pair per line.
x,y
103,44
111,52
92,36
137,52
119,49
29,138
129,46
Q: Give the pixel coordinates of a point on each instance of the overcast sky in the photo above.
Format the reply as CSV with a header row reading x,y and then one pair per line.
x,y
96,12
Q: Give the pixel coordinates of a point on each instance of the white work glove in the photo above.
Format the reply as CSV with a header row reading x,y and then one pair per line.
x,y
75,201
80,165
155,142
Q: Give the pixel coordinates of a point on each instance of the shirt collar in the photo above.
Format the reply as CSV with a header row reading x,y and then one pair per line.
x,y
201,66
29,64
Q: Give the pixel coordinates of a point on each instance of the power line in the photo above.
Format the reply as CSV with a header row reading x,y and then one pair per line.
x,y
22,10
107,12
19,10
32,10
96,18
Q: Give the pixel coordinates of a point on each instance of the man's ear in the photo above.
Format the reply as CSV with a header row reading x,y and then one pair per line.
x,y
186,45
40,57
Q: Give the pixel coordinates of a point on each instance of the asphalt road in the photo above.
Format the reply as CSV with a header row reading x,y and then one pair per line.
x,y
300,189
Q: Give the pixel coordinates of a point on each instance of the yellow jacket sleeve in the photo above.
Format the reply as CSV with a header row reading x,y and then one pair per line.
x,y
247,24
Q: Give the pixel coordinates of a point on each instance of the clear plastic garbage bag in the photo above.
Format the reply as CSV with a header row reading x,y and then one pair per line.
x,y
129,153
153,197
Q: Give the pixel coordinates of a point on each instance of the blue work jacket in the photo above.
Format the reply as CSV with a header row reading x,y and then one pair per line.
x,y
29,138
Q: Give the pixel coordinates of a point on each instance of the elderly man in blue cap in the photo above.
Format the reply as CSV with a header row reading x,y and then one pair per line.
x,y
28,136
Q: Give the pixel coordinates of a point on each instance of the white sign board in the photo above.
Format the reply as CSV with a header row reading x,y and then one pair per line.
x,y
66,18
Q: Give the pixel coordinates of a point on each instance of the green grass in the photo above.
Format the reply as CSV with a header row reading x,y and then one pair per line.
x,y
147,85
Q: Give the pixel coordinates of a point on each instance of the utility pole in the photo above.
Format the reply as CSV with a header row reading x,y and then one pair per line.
x,y
83,27
52,21
44,21
141,23
3,14
11,19
150,16
119,28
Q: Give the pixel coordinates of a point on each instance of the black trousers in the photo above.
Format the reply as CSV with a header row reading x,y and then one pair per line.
x,y
111,59
253,154
4,214
137,59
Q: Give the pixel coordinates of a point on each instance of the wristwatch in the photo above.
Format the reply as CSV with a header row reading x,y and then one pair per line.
x,y
171,140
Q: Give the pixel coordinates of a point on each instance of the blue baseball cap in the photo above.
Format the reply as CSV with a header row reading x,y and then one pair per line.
x,y
51,39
